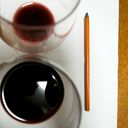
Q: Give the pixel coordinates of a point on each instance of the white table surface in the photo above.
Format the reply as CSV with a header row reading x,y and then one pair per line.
x,y
104,60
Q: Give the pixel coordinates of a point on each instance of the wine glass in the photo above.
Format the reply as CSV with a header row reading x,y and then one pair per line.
x,y
36,26
37,93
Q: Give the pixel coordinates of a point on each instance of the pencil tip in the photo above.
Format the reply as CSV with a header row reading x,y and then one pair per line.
x,y
86,14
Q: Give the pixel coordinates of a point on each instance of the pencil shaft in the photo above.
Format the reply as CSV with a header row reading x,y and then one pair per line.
x,y
87,63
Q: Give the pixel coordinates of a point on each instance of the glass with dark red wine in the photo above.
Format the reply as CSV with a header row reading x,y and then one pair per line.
x,y
36,26
37,93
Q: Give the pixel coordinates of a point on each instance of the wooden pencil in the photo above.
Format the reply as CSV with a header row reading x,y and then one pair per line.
x,y
86,63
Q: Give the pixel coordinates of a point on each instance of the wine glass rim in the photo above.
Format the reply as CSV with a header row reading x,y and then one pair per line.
x,y
43,26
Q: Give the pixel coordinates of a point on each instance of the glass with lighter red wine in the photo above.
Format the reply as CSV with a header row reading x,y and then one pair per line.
x,y
36,26
37,93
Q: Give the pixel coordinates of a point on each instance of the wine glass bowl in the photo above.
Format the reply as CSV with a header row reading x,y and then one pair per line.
x,y
36,26
37,93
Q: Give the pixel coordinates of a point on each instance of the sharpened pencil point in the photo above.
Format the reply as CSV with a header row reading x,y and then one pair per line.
x,y
87,14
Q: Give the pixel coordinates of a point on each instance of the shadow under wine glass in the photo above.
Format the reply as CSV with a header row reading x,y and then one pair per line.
x,y
37,26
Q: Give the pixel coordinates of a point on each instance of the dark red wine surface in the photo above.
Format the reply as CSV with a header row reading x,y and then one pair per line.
x,y
33,22
32,91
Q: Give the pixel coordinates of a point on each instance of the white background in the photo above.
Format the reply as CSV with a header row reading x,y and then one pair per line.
x,y
104,60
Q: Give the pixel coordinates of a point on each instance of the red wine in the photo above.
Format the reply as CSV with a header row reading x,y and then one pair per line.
x,y
32,91
33,22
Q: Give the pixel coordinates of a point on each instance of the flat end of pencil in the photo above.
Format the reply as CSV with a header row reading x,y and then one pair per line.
x,y
87,108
